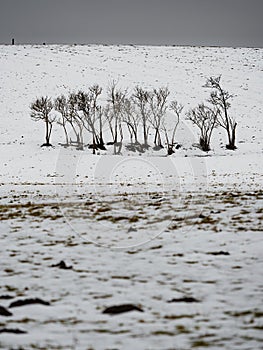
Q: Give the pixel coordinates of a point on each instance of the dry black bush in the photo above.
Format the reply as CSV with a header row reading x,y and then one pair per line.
x,y
205,118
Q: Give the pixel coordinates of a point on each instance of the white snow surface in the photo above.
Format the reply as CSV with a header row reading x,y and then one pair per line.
x,y
136,228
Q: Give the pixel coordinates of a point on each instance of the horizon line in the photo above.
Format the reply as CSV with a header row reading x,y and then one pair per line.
x,y
128,44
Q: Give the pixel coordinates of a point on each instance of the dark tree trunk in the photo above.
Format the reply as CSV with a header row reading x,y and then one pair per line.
x,y
48,132
155,138
145,136
101,143
170,150
66,134
159,139
94,145
232,139
204,144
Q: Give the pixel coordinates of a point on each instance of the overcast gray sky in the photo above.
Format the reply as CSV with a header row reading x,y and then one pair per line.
x,y
179,22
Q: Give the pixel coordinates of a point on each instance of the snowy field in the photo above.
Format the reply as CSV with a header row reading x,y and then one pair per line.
x,y
179,237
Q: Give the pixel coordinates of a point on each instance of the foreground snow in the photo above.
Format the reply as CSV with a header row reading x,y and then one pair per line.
x,y
137,228
203,246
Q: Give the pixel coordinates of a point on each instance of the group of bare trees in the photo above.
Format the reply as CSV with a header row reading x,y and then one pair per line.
x,y
140,112
214,114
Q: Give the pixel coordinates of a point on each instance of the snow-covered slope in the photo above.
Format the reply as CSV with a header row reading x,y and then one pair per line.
x,y
137,228
28,72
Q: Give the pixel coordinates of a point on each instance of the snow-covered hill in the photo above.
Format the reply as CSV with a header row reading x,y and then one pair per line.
x,y
137,228
28,72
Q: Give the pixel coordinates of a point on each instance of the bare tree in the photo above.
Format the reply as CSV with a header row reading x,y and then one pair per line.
x,y
205,118
60,105
220,99
158,106
116,98
84,103
131,118
141,99
96,116
170,133
75,119
88,104
41,110
108,113
101,144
